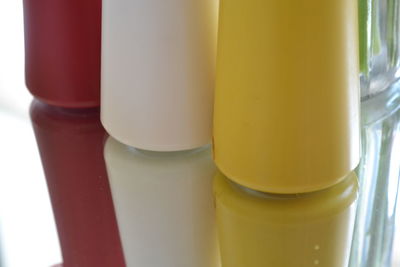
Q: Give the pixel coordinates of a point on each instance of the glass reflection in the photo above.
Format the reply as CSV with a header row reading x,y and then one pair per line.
x,y
257,229
164,205
379,23
379,173
71,148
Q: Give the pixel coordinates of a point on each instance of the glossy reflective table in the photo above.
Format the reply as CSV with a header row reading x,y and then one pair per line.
x,y
72,195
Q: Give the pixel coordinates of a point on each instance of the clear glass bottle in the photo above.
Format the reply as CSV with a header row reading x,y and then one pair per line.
x,y
378,171
379,168
379,45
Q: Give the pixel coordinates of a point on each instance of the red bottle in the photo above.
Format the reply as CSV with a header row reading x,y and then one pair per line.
x,y
71,148
62,51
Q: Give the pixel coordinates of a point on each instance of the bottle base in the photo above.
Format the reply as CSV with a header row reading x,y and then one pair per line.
x,y
153,147
281,190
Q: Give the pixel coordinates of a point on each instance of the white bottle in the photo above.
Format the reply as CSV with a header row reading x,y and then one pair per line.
x,y
158,66
164,205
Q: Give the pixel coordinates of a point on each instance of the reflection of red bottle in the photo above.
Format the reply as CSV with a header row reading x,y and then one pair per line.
x,y
62,47
71,148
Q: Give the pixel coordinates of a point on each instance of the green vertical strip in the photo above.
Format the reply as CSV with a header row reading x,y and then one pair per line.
x,y
392,30
364,17
375,27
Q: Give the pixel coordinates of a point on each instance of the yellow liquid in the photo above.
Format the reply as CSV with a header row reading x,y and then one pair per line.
x,y
286,106
257,230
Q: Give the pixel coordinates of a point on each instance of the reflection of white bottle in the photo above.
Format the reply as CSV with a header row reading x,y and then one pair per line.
x,y
158,64
164,206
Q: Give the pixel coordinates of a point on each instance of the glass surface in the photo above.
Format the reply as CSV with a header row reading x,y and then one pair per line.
x,y
379,26
379,172
70,196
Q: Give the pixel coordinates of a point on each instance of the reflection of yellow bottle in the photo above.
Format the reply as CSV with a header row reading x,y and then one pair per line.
x,y
286,107
302,230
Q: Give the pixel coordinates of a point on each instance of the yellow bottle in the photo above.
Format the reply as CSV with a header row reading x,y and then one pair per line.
x,y
287,93
302,230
